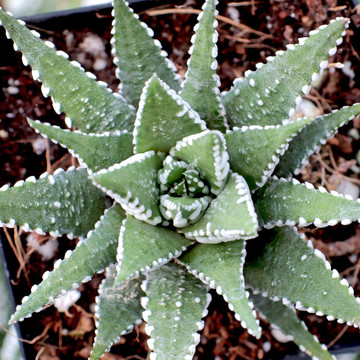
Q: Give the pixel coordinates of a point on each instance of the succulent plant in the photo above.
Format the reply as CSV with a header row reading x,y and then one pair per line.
x,y
176,178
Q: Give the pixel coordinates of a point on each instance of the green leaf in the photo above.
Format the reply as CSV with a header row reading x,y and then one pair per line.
x,y
205,152
133,184
255,151
303,276
282,202
194,184
88,104
163,118
285,318
118,309
143,246
183,210
175,303
230,216
309,139
90,256
137,54
200,88
269,95
47,204
225,274
95,151
171,171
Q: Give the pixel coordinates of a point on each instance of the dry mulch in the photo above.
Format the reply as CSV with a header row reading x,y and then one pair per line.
x,y
249,32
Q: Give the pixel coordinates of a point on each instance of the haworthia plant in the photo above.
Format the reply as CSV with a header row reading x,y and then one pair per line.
x,y
192,178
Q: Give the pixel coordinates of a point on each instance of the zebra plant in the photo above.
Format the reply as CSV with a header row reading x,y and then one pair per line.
x,y
192,175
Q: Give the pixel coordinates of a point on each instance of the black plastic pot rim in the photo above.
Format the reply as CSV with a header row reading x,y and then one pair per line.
x,y
3,265
145,4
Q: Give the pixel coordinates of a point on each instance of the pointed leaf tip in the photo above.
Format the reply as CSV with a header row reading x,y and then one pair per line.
x,y
225,274
133,184
230,216
143,246
255,151
137,54
303,276
201,84
269,95
89,104
163,118
91,255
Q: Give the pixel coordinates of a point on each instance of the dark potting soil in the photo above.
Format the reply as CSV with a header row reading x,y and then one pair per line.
x,y
266,26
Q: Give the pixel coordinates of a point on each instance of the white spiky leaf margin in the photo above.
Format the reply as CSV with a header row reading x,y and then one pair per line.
x,y
94,151
254,151
225,274
282,202
118,310
205,152
171,171
143,247
47,204
135,49
163,118
201,86
89,105
230,216
183,210
311,137
270,95
133,184
90,256
175,304
303,276
284,318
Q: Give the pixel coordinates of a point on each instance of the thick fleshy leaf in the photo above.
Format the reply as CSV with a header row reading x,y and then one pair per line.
x,y
201,85
225,274
118,310
93,151
303,276
205,152
269,95
282,202
309,139
137,54
89,105
183,210
254,151
163,118
47,204
175,303
143,246
286,320
133,184
194,183
230,216
90,256
171,171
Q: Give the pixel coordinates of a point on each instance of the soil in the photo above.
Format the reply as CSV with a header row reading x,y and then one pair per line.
x,y
266,26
